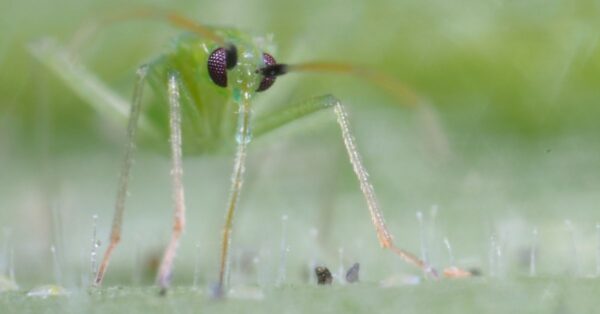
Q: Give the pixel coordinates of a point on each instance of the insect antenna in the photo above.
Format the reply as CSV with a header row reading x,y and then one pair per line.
x,y
390,84
401,92
88,31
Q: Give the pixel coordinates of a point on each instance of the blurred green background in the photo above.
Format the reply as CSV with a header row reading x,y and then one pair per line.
x,y
515,84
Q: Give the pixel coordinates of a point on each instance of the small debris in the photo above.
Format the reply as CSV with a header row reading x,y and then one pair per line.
x,y
323,275
7,285
352,273
454,272
475,272
46,291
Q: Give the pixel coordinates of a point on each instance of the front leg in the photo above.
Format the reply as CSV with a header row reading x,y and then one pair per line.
x,y
243,137
383,234
277,119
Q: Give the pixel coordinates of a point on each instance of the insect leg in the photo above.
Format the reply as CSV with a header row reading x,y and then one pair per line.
x,y
85,84
132,126
274,120
428,119
166,267
237,178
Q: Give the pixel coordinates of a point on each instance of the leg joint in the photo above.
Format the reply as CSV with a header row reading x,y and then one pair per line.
x,y
115,238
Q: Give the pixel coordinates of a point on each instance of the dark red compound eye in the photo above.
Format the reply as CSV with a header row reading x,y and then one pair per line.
x,y
267,81
217,67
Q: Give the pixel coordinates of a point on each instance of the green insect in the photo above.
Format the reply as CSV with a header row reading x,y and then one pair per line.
x,y
208,81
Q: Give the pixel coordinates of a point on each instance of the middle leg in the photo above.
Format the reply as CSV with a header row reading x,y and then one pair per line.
x,y
166,266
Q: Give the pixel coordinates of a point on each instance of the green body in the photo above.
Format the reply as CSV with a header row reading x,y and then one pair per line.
x,y
208,111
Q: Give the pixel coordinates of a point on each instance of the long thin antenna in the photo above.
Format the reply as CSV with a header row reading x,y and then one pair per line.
x,y
385,81
86,32
403,94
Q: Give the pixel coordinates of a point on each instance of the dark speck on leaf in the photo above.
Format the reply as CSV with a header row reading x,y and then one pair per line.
x,y
475,272
323,275
352,273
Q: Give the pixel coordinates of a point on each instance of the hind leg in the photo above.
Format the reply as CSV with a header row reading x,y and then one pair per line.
x,y
132,126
